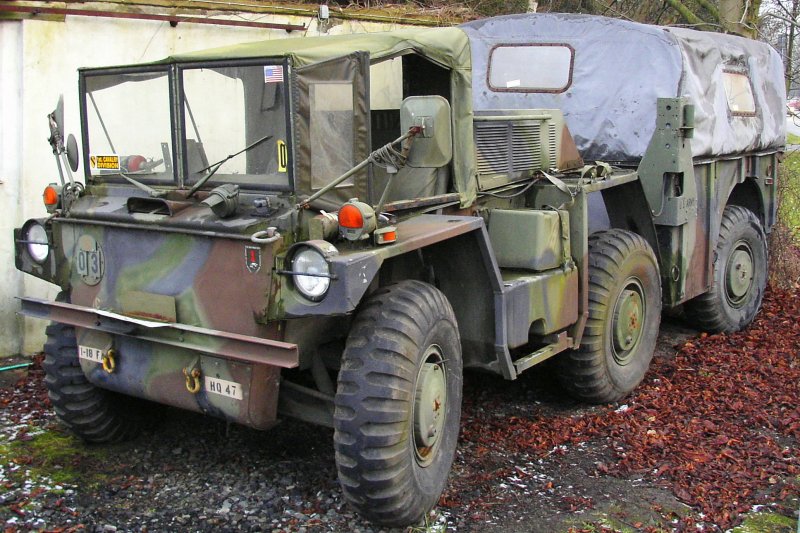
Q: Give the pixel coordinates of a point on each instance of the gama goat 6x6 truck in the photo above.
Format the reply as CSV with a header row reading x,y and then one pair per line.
x,y
333,228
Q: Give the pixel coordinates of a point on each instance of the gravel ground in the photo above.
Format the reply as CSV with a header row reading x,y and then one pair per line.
x,y
191,473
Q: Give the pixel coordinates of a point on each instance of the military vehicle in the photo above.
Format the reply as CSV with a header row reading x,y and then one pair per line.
x,y
333,228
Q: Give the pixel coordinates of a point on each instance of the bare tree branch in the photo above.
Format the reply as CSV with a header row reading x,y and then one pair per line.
x,y
780,17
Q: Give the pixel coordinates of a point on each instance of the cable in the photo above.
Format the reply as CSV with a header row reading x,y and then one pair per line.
x,y
513,195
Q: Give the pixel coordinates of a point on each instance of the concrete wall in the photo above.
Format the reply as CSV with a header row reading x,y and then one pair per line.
x,y
11,89
39,61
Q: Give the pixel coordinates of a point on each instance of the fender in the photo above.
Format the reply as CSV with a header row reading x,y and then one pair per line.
x,y
458,249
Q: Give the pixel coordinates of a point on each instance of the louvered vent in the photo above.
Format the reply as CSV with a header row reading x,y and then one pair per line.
x,y
552,145
514,144
492,142
527,146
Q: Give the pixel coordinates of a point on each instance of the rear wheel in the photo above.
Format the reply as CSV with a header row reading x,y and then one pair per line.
x,y
92,413
740,275
624,316
398,403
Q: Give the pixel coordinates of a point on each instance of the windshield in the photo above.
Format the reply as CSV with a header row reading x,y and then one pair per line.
x,y
237,111
128,125
231,123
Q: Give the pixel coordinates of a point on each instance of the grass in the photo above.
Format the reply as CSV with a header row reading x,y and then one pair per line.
x,y
789,185
773,522
785,237
791,138
51,457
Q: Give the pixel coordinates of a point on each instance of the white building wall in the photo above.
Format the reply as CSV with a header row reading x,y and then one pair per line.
x,y
39,61
11,88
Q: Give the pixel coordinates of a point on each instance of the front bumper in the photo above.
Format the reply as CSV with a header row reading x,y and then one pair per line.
x,y
155,361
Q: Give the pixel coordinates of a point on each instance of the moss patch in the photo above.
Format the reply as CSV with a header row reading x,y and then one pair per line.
x,y
52,457
766,522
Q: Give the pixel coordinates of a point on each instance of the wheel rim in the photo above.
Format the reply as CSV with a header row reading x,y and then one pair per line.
x,y
739,274
430,406
628,319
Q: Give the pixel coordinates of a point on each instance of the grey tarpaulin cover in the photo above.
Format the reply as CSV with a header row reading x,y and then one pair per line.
x,y
621,68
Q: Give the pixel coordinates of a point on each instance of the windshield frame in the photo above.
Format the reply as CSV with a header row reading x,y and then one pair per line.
x,y
178,121
169,70
261,61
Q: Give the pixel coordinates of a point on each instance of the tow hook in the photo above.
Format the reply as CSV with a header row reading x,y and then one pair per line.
x,y
192,380
108,361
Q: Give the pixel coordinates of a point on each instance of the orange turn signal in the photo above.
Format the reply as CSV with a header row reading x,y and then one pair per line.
x,y
386,235
350,217
50,196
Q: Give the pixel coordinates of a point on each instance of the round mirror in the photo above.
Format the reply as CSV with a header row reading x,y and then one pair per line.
x,y
59,112
72,152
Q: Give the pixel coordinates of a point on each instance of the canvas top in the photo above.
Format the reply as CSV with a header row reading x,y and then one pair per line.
x,y
618,70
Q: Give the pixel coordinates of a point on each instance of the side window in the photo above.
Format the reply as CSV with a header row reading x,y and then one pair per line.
x,y
332,127
544,68
739,93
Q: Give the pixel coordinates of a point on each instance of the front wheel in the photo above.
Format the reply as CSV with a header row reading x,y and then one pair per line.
x,y
740,275
624,316
398,403
93,414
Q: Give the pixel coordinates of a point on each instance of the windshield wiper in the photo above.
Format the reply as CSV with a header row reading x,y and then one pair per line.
x,y
149,190
216,166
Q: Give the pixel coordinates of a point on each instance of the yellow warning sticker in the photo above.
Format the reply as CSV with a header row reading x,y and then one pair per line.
x,y
104,162
283,156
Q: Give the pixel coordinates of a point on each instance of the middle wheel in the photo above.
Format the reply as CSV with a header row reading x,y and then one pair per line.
x,y
398,403
624,315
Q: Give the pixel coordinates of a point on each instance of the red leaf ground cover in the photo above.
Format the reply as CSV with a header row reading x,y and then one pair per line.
x,y
719,423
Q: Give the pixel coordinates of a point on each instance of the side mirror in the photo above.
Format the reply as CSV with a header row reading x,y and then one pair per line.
x,y
58,113
72,152
434,147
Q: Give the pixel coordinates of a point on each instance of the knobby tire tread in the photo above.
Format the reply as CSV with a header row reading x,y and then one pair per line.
x,y
371,434
93,414
584,372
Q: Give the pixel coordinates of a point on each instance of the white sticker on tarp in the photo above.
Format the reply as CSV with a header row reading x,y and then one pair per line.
x,y
513,83
273,73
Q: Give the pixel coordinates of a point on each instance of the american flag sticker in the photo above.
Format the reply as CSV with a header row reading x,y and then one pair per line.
x,y
273,74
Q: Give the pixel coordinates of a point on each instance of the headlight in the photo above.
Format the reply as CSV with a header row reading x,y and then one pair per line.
x,y
314,284
37,243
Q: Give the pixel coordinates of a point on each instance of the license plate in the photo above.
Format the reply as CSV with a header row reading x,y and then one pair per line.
x,y
231,389
94,355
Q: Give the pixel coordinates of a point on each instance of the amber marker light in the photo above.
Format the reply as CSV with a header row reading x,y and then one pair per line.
x,y
386,235
356,220
350,217
50,197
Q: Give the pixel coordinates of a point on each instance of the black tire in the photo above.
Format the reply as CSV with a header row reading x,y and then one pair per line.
x,y
404,337
739,275
614,355
93,414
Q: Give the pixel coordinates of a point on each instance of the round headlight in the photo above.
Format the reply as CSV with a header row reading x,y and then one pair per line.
x,y
312,273
38,248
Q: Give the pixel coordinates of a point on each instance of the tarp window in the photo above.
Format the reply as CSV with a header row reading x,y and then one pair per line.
x,y
531,68
332,131
739,93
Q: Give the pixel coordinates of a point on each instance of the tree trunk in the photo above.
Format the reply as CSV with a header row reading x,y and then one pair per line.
x,y
789,66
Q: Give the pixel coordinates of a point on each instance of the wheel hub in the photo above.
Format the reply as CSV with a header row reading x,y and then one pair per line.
x,y
429,406
627,325
739,275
